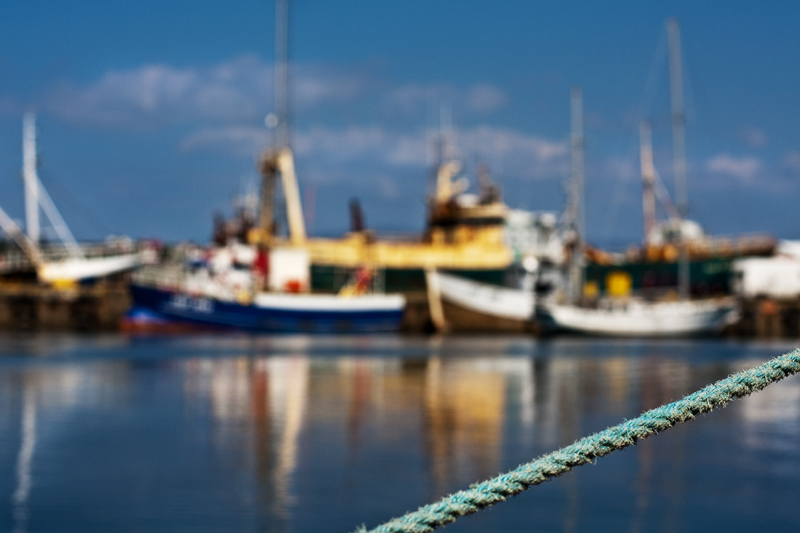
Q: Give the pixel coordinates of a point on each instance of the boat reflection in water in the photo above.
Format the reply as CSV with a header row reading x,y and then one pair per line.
x,y
309,433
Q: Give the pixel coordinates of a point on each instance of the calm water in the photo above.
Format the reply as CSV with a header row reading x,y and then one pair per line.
x,y
244,434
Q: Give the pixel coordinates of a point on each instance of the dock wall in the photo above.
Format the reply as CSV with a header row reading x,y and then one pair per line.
x,y
33,307
768,318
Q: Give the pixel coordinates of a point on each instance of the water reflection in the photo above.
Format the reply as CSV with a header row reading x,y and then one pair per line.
x,y
20,497
300,430
258,405
771,418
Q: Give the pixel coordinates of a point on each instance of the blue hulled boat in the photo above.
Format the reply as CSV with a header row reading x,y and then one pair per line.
x,y
269,312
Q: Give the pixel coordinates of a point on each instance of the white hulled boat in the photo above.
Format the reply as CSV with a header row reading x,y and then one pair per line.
x,y
459,304
50,264
639,318
636,317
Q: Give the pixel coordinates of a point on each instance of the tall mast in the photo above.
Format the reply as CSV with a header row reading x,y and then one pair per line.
x,y
648,178
36,195
282,133
278,119
280,160
678,117
678,147
577,193
30,177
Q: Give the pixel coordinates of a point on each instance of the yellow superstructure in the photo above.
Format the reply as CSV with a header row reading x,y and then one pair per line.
x,y
475,248
462,233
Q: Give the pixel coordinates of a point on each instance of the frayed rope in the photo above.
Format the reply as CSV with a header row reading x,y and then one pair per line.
x,y
498,489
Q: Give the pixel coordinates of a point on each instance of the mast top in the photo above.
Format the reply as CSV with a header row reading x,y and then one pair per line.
x,y
279,119
678,115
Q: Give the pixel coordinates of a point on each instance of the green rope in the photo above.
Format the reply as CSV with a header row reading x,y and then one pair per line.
x,y
585,450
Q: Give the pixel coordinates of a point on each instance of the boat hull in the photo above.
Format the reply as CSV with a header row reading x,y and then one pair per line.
x,y
662,319
469,305
285,313
89,268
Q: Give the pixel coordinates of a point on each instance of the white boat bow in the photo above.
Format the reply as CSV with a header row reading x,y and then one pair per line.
x,y
75,269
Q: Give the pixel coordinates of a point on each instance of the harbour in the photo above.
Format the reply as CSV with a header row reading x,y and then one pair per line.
x,y
386,268
479,265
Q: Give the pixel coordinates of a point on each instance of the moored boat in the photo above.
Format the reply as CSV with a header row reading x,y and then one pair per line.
x,y
466,305
607,306
164,309
639,318
237,286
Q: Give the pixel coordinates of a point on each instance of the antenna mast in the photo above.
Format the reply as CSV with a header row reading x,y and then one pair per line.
x,y
648,178
678,117
576,194
678,148
280,160
282,133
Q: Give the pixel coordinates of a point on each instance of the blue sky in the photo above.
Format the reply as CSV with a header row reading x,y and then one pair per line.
x,y
151,113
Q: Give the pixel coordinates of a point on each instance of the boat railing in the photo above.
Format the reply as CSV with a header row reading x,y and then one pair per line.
x,y
14,261
160,276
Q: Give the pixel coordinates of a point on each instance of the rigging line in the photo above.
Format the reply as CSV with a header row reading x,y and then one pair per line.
x,y
65,195
712,123
663,196
654,76
690,107
482,495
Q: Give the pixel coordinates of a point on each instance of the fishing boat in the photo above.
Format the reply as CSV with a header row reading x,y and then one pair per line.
x,y
466,233
252,278
159,308
656,312
238,287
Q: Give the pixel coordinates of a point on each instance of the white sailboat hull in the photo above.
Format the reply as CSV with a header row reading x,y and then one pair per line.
x,y
93,267
642,319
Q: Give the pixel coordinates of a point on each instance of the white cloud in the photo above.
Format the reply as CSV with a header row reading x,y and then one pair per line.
x,y
489,139
342,144
413,99
388,188
241,90
622,169
753,137
233,140
233,91
791,161
8,107
520,155
742,168
485,98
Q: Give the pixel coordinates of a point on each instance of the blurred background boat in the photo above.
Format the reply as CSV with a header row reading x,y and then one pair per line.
x,y
618,310
60,284
251,277
460,304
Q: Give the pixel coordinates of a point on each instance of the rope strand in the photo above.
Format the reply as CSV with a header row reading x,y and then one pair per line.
x,y
498,489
